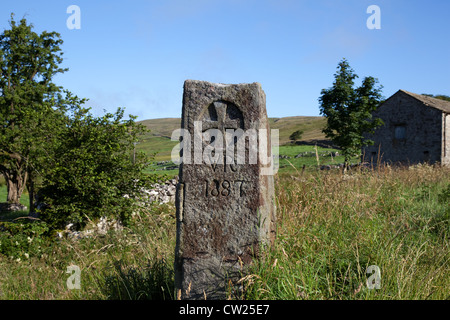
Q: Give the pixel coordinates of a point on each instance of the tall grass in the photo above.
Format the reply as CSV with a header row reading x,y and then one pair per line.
x,y
134,263
330,229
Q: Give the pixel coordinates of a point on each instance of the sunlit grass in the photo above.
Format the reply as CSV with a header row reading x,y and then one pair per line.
x,y
330,229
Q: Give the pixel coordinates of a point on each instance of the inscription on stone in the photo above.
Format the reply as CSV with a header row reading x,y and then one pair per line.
x,y
225,201
224,188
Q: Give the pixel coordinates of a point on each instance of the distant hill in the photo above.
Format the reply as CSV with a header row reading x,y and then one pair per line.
x,y
162,127
311,126
158,140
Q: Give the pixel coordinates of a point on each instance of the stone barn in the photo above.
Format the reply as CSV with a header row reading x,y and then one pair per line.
x,y
416,130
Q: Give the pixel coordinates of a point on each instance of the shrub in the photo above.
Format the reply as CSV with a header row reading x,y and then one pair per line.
x,y
297,135
22,240
93,174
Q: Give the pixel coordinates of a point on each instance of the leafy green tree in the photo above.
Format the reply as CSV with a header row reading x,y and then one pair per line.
x,y
349,110
83,163
296,135
91,173
28,63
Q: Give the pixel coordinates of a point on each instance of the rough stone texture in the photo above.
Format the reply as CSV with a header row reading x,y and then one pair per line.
x,y
426,124
446,139
99,228
161,192
224,212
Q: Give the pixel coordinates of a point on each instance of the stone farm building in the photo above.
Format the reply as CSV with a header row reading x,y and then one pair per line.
x,y
416,129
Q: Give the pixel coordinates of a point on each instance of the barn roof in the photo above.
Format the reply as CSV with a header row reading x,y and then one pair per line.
x,y
439,104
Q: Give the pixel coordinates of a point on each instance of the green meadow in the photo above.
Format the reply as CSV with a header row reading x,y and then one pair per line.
x,y
330,229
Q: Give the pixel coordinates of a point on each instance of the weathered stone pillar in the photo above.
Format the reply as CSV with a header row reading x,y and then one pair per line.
x,y
225,196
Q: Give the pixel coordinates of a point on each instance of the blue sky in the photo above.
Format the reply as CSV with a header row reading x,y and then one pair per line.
x,y
137,54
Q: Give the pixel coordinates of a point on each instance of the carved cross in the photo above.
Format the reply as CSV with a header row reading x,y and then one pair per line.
x,y
222,122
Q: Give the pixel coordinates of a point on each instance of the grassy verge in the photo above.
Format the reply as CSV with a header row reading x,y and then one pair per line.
x,y
331,228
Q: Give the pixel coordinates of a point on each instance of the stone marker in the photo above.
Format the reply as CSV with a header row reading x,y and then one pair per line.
x,y
225,199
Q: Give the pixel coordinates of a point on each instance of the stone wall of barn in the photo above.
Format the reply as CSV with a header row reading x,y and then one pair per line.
x,y
446,139
412,132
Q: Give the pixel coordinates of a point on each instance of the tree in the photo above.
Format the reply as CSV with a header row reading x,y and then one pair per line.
x,y
83,163
349,110
91,172
28,63
296,135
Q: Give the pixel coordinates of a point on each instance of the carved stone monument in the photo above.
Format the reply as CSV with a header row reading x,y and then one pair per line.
x,y
225,196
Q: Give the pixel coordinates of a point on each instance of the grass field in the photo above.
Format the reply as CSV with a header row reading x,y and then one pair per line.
x,y
158,144
312,126
330,229
333,227
287,163
158,140
313,159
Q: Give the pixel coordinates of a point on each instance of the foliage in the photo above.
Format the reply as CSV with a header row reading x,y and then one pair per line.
x,y
28,63
22,240
296,135
134,263
83,163
91,173
349,110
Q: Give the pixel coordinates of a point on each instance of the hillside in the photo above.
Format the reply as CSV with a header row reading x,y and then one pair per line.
x,y
312,127
158,140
